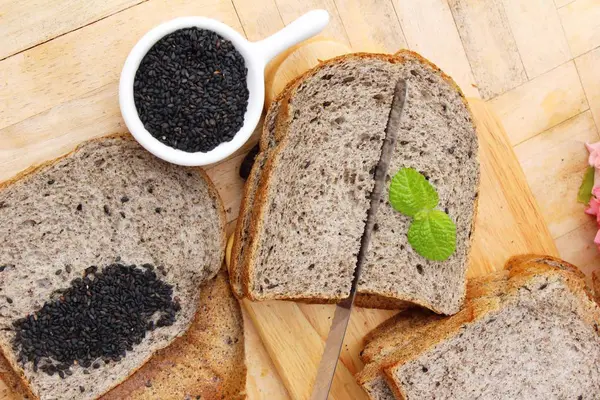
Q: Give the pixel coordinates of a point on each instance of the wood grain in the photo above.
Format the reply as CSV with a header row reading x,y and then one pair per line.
x,y
259,18
291,9
588,67
505,202
295,348
538,34
561,3
371,25
429,29
26,23
541,103
554,163
489,45
578,246
79,62
263,381
580,22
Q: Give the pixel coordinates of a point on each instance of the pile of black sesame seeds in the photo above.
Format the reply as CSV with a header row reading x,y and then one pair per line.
x,y
96,320
190,90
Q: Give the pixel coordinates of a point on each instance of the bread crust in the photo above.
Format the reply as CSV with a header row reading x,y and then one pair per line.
x,y
364,298
24,386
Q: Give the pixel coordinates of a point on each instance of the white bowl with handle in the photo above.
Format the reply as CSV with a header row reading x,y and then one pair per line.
x,y
256,56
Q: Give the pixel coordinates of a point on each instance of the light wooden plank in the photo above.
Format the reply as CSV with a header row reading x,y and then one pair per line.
x,y
538,34
57,131
554,163
505,202
581,22
259,18
429,29
371,25
561,3
74,64
489,45
541,103
578,248
262,380
588,66
26,23
292,9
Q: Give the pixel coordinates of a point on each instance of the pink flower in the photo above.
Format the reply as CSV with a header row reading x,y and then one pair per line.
x,y
594,150
594,207
597,239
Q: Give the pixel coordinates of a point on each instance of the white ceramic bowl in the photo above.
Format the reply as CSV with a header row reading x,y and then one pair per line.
x,y
256,56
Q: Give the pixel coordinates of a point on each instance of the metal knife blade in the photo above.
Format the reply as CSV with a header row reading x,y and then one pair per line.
x,y
335,338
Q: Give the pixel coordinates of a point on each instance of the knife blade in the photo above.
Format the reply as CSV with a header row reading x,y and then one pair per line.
x,y
335,338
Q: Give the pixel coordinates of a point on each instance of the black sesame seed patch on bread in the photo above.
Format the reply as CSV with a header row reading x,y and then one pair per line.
x,y
103,252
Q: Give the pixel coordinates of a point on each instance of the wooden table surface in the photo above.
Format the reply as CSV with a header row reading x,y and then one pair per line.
x,y
533,61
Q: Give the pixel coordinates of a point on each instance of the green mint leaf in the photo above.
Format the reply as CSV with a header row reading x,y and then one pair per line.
x,y
433,235
585,190
410,192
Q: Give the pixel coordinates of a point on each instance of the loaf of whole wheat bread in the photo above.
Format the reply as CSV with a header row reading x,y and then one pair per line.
x,y
107,202
307,198
530,331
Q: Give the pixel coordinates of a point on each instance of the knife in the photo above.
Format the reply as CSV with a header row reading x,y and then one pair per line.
x,y
335,338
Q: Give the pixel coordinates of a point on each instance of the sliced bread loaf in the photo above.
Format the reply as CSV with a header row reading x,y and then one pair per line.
x,y
109,202
537,339
311,199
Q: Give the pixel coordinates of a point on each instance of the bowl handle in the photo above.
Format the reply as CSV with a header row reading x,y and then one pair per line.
x,y
301,29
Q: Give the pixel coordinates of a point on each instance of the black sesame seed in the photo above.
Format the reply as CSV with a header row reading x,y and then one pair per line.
x,y
58,272
158,210
9,300
124,199
122,214
99,317
68,268
81,389
190,90
2,268
248,162
51,182
106,210
79,207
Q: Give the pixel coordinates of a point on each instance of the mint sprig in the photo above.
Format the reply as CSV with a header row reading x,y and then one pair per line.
x,y
410,192
432,233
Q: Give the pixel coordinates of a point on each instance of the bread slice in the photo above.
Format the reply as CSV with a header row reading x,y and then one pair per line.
x,y
402,327
538,339
108,201
207,361
312,196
